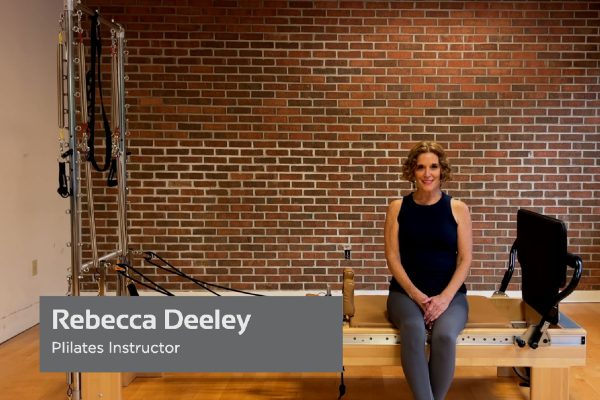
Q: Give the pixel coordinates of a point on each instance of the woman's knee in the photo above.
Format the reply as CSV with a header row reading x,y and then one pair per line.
x,y
443,337
413,333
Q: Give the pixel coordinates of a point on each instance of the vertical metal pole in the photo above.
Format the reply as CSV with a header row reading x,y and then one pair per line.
x,y
74,162
122,165
74,169
92,218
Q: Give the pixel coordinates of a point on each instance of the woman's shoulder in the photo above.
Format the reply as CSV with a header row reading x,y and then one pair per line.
x,y
459,207
395,204
398,202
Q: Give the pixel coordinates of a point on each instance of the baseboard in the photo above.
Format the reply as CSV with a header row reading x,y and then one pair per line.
x,y
583,296
19,321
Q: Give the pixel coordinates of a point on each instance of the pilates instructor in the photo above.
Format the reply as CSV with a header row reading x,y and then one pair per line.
x,y
428,247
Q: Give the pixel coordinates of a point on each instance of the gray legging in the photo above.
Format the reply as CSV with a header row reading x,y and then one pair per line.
x,y
428,381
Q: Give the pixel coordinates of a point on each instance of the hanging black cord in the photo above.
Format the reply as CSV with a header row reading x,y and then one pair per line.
x,y
111,181
63,182
342,387
96,61
155,286
183,275
150,255
63,186
526,377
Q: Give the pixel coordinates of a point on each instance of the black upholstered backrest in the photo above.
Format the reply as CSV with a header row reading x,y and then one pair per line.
x,y
542,254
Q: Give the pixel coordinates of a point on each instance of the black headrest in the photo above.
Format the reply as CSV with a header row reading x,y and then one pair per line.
x,y
542,253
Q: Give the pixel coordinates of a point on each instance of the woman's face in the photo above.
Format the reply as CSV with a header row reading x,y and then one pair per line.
x,y
428,172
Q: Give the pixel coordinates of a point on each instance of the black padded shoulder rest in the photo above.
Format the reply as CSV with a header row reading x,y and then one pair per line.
x,y
542,253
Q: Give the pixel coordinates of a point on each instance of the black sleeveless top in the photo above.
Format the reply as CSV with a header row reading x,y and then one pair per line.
x,y
428,245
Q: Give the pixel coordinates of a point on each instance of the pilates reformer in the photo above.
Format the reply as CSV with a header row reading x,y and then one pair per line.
x,y
501,332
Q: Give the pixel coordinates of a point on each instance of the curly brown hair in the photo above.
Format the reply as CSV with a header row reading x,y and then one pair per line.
x,y
410,164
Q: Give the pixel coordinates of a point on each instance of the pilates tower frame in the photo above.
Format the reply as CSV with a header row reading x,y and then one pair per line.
x,y
68,110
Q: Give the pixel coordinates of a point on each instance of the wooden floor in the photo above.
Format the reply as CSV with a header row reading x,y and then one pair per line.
x,y
20,377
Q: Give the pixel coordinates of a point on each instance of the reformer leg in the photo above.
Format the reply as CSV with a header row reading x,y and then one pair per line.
x,y
549,384
101,385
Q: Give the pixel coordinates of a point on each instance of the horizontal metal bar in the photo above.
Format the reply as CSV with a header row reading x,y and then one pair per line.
x,y
89,11
114,254
566,322
489,339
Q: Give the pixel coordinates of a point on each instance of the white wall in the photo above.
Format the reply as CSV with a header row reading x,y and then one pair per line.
x,y
33,223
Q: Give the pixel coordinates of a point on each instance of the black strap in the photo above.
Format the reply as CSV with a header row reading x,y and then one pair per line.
x,y
342,387
132,289
150,255
124,271
96,61
111,181
63,185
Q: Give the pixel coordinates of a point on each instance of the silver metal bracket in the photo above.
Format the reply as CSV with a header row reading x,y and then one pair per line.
x,y
544,341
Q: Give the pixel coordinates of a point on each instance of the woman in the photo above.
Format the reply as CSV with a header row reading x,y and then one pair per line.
x,y
428,246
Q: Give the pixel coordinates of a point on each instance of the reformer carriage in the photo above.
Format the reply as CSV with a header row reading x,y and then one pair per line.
x,y
501,331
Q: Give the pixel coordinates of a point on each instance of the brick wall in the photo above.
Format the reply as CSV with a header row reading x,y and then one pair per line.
x,y
267,135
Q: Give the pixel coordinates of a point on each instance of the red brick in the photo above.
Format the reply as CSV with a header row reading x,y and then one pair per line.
x,y
262,136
